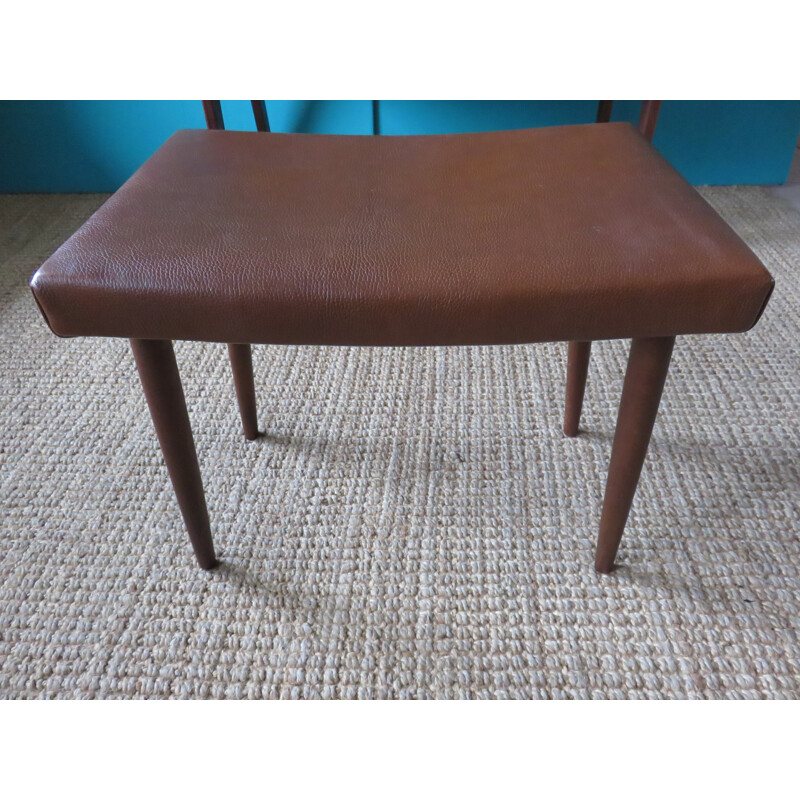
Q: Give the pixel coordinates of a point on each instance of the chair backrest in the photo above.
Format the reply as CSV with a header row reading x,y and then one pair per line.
x,y
647,117
214,121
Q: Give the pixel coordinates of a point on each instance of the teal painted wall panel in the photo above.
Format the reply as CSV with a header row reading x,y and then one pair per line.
x,y
469,116
93,146
709,142
96,145
724,142
86,146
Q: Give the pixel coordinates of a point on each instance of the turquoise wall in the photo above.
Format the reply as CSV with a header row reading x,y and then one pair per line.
x,y
93,146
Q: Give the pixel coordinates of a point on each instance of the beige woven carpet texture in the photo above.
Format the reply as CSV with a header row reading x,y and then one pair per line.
x,y
414,524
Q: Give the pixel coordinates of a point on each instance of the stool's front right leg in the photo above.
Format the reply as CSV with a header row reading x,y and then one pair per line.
x,y
648,363
158,370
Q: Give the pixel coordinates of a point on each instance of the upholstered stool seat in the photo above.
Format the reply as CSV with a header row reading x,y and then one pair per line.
x,y
571,233
581,232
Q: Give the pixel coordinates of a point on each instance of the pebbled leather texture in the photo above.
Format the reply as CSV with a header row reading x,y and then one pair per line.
x,y
566,233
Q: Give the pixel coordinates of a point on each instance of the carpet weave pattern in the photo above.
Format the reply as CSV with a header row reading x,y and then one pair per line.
x,y
413,525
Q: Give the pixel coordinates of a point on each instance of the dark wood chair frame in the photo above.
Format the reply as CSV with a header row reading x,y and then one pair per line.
x,y
648,363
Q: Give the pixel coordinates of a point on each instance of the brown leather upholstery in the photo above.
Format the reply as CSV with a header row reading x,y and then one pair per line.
x,y
580,232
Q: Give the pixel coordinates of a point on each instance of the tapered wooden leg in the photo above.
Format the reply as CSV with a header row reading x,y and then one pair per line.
x,y
241,357
604,108
577,368
648,363
158,370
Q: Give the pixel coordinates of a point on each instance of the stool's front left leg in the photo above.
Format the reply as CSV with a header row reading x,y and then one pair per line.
x,y
648,363
158,370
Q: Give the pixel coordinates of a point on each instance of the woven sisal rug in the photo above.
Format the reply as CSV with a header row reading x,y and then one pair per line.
x,y
413,525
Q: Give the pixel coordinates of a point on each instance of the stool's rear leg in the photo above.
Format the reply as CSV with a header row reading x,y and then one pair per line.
x,y
241,357
648,363
155,360
577,368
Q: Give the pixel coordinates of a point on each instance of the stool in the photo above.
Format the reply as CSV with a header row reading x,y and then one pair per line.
x,y
576,233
